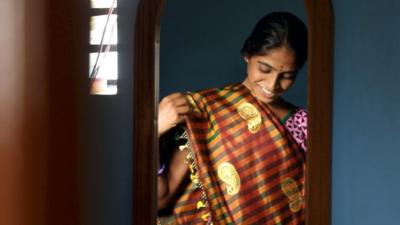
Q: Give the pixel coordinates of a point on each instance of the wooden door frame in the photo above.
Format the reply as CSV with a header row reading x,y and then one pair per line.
x,y
146,78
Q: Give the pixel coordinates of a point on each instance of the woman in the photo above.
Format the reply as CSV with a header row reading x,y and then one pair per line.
x,y
241,147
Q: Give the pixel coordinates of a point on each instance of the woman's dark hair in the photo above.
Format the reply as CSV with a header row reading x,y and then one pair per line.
x,y
275,30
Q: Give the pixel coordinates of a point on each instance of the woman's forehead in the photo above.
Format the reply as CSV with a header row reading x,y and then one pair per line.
x,y
277,59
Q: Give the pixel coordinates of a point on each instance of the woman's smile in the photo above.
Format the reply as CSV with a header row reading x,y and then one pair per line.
x,y
268,93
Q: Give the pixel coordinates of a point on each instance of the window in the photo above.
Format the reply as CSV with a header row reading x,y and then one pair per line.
x,y
103,55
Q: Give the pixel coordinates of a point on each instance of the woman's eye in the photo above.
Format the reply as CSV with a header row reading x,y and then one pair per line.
x,y
265,70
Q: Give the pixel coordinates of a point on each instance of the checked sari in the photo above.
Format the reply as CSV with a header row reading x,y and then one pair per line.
x,y
244,166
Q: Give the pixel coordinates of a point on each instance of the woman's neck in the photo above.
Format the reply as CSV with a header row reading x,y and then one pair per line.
x,y
280,107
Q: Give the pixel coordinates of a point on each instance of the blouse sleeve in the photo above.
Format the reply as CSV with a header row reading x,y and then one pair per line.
x,y
297,126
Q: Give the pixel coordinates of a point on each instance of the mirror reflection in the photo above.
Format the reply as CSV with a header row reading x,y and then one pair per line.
x,y
233,152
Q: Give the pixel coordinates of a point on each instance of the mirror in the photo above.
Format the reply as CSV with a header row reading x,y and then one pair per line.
x,y
200,43
146,102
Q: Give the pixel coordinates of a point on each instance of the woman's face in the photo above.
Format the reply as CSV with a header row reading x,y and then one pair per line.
x,y
271,75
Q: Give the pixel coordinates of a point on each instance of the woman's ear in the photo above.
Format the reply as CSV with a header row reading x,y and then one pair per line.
x,y
246,58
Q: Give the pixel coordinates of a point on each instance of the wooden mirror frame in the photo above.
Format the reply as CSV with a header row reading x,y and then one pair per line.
x,y
146,78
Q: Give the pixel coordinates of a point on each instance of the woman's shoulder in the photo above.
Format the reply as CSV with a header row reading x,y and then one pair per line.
x,y
216,90
300,114
298,118
211,94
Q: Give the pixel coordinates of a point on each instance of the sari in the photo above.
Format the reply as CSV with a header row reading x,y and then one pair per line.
x,y
245,168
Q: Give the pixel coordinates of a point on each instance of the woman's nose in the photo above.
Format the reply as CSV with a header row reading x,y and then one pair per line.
x,y
273,83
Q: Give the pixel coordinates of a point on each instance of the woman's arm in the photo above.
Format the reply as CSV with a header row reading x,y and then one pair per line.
x,y
170,181
172,110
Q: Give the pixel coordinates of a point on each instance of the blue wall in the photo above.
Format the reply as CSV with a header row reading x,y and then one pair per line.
x,y
366,142
201,42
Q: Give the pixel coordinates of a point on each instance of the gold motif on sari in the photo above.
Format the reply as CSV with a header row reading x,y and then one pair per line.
x,y
228,174
291,190
250,113
192,102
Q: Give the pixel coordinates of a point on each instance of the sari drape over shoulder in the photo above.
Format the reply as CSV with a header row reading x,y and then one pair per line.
x,y
244,166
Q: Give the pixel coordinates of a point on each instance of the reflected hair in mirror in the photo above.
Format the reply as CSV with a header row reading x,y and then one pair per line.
x,y
275,30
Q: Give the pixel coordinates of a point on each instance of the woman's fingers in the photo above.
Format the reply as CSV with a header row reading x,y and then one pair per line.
x,y
176,103
184,109
172,110
175,99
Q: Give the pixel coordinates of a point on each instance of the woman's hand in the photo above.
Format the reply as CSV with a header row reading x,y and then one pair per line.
x,y
171,111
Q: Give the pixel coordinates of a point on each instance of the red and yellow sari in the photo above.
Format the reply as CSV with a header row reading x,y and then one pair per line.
x,y
244,166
